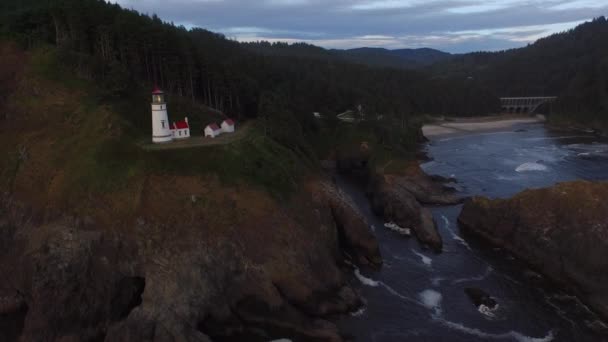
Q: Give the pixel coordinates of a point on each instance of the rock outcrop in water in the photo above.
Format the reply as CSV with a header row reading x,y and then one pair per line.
x,y
399,197
561,231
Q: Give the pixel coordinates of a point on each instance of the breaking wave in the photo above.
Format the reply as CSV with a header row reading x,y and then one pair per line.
x,y
425,260
511,335
455,236
477,278
394,227
525,167
365,280
431,300
487,311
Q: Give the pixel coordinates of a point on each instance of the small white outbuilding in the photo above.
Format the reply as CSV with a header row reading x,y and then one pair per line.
x,y
228,126
212,130
181,129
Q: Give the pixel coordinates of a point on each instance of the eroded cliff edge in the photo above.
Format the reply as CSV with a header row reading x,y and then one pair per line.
x,y
561,231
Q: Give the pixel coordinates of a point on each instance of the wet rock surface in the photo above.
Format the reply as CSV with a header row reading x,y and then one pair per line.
x,y
561,231
399,198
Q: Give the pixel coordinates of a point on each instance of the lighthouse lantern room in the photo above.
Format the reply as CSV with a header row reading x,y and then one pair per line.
x,y
161,129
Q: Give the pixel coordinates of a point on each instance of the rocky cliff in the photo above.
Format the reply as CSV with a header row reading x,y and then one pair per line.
x,y
188,267
102,241
560,231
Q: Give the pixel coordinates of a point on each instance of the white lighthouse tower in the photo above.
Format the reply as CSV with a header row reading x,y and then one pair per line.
x,y
161,130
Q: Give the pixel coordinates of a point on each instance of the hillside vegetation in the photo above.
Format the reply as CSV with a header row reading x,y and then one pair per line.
x,y
572,65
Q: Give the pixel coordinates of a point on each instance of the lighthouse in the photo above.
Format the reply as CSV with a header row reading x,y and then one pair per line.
x,y
161,129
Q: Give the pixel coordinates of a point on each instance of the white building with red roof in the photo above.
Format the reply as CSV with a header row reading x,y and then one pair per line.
x,y
212,130
228,126
181,129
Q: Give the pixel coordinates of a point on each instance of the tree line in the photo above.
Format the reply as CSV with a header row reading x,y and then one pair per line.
x,y
572,65
123,49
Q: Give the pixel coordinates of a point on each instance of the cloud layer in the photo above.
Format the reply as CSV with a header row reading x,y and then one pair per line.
x,y
450,25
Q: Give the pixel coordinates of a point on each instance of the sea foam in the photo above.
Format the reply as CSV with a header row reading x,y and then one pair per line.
x,y
511,335
526,167
425,260
364,280
394,227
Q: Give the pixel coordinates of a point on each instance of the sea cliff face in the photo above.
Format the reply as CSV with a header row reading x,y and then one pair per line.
x,y
185,269
560,231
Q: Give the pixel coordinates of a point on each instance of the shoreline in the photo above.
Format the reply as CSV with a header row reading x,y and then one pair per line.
x,y
474,125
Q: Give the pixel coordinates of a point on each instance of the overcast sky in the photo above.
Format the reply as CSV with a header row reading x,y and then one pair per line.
x,y
449,25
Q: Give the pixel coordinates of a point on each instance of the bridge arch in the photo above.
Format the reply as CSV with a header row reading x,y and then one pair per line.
x,y
524,104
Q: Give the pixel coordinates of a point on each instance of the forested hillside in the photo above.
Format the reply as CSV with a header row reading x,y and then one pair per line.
x,y
572,65
377,57
124,50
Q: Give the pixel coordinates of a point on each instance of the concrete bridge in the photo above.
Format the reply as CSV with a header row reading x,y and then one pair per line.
x,y
524,104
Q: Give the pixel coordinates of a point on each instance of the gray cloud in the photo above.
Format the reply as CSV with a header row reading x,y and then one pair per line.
x,y
451,25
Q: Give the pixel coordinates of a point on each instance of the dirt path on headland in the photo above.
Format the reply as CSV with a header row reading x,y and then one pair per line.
x,y
481,124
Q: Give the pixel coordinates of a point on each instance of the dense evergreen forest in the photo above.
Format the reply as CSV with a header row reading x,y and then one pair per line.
x,y
377,57
572,65
125,50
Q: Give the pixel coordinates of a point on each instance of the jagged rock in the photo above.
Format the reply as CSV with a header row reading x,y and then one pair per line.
x,y
561,231
397,205
480,297
424,188
354,232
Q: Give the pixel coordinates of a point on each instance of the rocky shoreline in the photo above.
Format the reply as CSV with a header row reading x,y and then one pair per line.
x,y
400,196
561,232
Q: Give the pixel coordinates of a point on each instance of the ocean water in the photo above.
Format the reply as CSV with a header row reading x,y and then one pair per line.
x,y
419,295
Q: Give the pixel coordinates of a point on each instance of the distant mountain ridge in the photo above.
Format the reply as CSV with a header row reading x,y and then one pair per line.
x,y
399,58
376,57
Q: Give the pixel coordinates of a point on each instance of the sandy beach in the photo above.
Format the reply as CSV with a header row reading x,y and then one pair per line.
x,y
481,124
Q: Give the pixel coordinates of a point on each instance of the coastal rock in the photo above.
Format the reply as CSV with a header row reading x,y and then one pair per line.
x,y
396,204
426,189
561,231
354,232
260,271
480,297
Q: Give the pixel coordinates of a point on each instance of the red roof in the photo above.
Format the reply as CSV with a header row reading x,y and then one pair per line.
x,y
229,122
180,125
214,127
157,91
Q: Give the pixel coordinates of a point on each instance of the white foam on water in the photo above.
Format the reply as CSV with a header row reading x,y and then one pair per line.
x,y
436,281
511,335
455,236
425,260
359,312
431,300
364,280
526,167
476,278
557,138
469,135
394,227
487,311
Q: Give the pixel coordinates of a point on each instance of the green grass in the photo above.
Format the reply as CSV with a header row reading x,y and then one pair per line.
x,y
256,160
